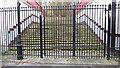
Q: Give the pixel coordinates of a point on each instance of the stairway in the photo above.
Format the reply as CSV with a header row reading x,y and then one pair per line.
x,y
59,36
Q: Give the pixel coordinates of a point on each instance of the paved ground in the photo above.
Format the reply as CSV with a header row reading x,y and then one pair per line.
x,y
30,61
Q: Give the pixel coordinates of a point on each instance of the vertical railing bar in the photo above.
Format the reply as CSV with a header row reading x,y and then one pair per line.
x,y
113,28
31,12
102,30
38,48
83,36
119,29
54,7
31,24
12,24
83,51
10,30
27,34
99,32
102,6
101,35
24,28
86,49
31,31
7,42
13,27
77,31
63,31
108,38
50,33
68,31
102,40
78,25
89,30
2,30
5,36
118,46
74,32
24,32
44,34
58,31
28,31
52,36
53,27
105,34
20,23
47,19
10,27
34,29
37,33
94,28
34,35
92,32
16,28
19,46
6,29
41,33
7,32
83,32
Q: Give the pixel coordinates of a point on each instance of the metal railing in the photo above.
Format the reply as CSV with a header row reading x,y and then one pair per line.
x,y
59,31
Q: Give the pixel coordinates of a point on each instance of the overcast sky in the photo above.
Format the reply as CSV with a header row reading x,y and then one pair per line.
x,y
13,3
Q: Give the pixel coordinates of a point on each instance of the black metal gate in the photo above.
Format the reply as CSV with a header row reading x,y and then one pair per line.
x,y
80,31
74,35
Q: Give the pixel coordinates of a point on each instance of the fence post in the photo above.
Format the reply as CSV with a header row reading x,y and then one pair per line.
x,y
108,39
113,27
105,34
19,45
74,32
44,35
41,46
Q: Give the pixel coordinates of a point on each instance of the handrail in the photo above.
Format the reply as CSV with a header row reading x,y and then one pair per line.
x,y
117,35
12,29
99,26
